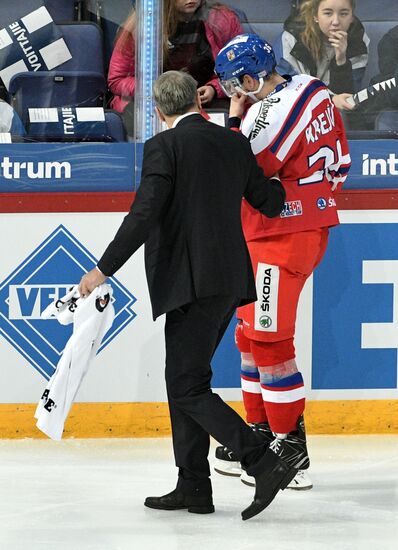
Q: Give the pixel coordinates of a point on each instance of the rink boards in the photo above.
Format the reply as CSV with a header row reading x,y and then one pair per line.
x,y
346,331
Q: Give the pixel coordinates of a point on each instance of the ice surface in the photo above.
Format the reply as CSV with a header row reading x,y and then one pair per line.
x,y
88,495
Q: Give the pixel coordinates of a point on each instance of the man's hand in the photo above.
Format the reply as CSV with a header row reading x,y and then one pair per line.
x,y
339,42
340,101
237,107
91,280
206,94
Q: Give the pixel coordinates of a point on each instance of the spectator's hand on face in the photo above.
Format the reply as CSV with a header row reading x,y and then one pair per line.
x,y
340,101
206,94
338,40
237,106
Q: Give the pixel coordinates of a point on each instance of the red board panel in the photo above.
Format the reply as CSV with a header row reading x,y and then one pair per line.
x,y
375,199
65,202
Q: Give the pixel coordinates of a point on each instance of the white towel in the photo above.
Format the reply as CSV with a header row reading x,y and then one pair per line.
x,y
92,317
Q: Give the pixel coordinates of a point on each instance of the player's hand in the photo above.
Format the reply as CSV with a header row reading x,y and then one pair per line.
x,y
340,101
339,41
237,107
90,281
206,94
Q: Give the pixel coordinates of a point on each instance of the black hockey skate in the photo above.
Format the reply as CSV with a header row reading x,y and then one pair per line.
x,y
295,447
277,468
227,462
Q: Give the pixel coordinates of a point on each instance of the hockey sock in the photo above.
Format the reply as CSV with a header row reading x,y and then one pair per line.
x,y
283,395
282,385
250,380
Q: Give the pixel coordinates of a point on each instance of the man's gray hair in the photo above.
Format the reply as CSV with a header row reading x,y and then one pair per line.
x,y
175,92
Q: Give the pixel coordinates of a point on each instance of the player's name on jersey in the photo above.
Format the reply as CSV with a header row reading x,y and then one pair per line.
x,y
321,125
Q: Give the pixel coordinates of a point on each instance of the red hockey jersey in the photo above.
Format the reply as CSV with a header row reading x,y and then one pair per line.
x,y
297,132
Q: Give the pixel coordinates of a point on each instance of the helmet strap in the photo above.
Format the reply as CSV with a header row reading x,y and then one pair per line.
x,y
252,95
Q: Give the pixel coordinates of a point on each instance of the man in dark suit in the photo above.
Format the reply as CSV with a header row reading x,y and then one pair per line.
x,y
187,212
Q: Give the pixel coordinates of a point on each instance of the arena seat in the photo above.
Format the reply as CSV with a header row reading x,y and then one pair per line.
x,y
56,89
85,43
114,125
79,81
387,121
268,31
109,14
114,132
262,11
380,10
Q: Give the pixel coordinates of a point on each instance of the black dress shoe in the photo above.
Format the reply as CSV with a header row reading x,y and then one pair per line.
x,y
277,468
268,484
177,500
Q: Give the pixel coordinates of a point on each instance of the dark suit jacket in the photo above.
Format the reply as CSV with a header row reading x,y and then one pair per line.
x,y
187,212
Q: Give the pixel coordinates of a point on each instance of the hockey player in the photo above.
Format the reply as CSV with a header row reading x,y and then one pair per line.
x,y
295,131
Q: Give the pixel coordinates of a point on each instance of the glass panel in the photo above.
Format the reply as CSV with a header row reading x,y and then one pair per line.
x,y
58,101
308,35
148,67
70,70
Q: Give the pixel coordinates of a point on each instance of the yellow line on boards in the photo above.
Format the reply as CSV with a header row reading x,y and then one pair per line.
x,y
89,420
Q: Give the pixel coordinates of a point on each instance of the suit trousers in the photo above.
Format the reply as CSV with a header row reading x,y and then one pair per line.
x,y
192,334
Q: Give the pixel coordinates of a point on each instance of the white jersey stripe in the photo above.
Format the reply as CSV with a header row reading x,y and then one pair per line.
x,y
302,123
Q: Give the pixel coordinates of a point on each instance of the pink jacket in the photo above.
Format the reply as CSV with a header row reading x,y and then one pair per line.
x,y
221,26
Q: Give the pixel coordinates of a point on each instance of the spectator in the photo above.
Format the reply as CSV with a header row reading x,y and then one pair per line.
x,y
194,33
328,41
365,114
9,120
388,55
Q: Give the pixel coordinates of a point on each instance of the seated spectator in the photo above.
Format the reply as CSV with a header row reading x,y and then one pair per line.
x,y
387,100
326,40
10,121
388,55
194,32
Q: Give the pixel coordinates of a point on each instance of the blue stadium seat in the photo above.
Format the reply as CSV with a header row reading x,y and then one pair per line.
x,y
388,121
268,31
109,14
56,89
60,10
114,126
262,11
79,81
114,131
380,10
85,42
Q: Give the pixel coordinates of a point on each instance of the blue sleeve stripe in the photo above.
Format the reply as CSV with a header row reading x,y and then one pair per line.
x,y
295,113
